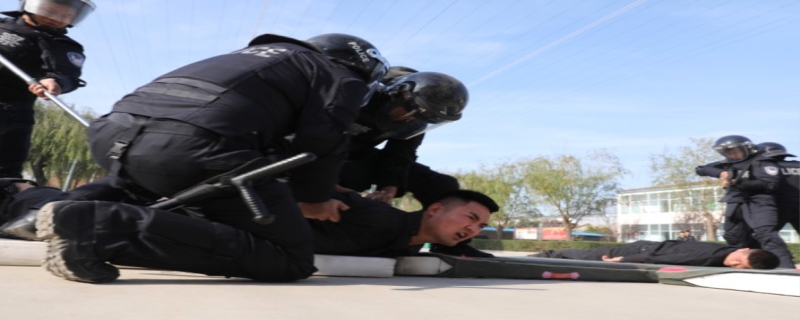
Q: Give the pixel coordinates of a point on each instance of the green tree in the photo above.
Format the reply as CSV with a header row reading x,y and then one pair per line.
x,y
58,141
504,187
696,195
571,186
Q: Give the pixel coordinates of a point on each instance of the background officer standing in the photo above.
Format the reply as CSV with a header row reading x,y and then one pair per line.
x,y
686,235
35,41
751,215
788,193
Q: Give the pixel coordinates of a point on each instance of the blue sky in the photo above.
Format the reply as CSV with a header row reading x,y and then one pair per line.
x,y
545,77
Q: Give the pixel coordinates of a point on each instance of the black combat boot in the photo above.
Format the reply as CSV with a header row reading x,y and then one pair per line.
x,y
22,227
13,223
69,228
87,237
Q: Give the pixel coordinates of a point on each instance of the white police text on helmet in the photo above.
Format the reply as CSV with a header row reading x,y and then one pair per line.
x,y
361,54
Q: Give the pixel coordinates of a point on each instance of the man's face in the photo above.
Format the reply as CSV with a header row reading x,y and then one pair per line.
x,y
460,222
55,15
734,154
738,259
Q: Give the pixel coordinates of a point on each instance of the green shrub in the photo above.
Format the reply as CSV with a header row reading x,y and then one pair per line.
x,y
795,249
539,245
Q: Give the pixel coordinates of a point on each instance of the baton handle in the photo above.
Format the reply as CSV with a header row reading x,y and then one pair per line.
x,y
244,183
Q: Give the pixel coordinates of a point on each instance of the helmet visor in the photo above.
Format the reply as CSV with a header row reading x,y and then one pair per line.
x,y
373,87
59,13
400,118
733,152
381,65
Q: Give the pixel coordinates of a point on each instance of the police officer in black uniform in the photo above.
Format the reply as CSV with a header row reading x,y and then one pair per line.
x,y
95,233
399,114
35,40
788,193
751,215
215,115
409,104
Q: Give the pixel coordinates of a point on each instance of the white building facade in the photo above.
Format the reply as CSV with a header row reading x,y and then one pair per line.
x,y
660,213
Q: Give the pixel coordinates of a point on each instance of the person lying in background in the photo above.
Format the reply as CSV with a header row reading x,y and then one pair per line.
x,y
673,252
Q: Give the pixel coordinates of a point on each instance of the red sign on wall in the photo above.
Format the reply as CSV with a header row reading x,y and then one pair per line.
x,y
554,234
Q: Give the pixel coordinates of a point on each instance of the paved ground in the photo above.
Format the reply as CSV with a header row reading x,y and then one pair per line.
x,y
32,293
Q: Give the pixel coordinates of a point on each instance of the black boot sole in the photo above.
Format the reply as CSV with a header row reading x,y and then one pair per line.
x,y
58,261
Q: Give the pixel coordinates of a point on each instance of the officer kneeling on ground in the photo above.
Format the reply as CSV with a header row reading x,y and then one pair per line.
x,y
126,234
206,119
408,105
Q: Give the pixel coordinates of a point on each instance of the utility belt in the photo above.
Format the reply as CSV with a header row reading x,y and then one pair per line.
x,y
138,124
161,125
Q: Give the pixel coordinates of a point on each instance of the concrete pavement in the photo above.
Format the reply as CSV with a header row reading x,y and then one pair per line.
x,y
33,293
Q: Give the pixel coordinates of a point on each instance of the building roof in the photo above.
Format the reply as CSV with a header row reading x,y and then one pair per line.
x,y
664,187
587,234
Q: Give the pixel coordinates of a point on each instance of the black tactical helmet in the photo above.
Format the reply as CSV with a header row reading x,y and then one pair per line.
x,y
395,72
773,149
82,8
770,147
354,52
415,103
729,144
435,97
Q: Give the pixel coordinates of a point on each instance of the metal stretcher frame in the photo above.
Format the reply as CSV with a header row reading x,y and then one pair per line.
x,y
778,281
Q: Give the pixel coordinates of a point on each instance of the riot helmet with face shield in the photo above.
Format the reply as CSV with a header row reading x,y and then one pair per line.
x,y
416,103
56,14
735,148
773,149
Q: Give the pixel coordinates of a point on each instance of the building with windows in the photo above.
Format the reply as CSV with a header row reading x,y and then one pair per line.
x,y
660,213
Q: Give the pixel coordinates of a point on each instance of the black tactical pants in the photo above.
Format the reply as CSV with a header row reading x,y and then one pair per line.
x,y
597,254
164,163
106,189
789,212
130,235
752,225
16,126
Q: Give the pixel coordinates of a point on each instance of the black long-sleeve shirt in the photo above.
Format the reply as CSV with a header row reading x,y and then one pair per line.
x,y
272,89
789,187
40,54
756,179
396,156
370,228
688,253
